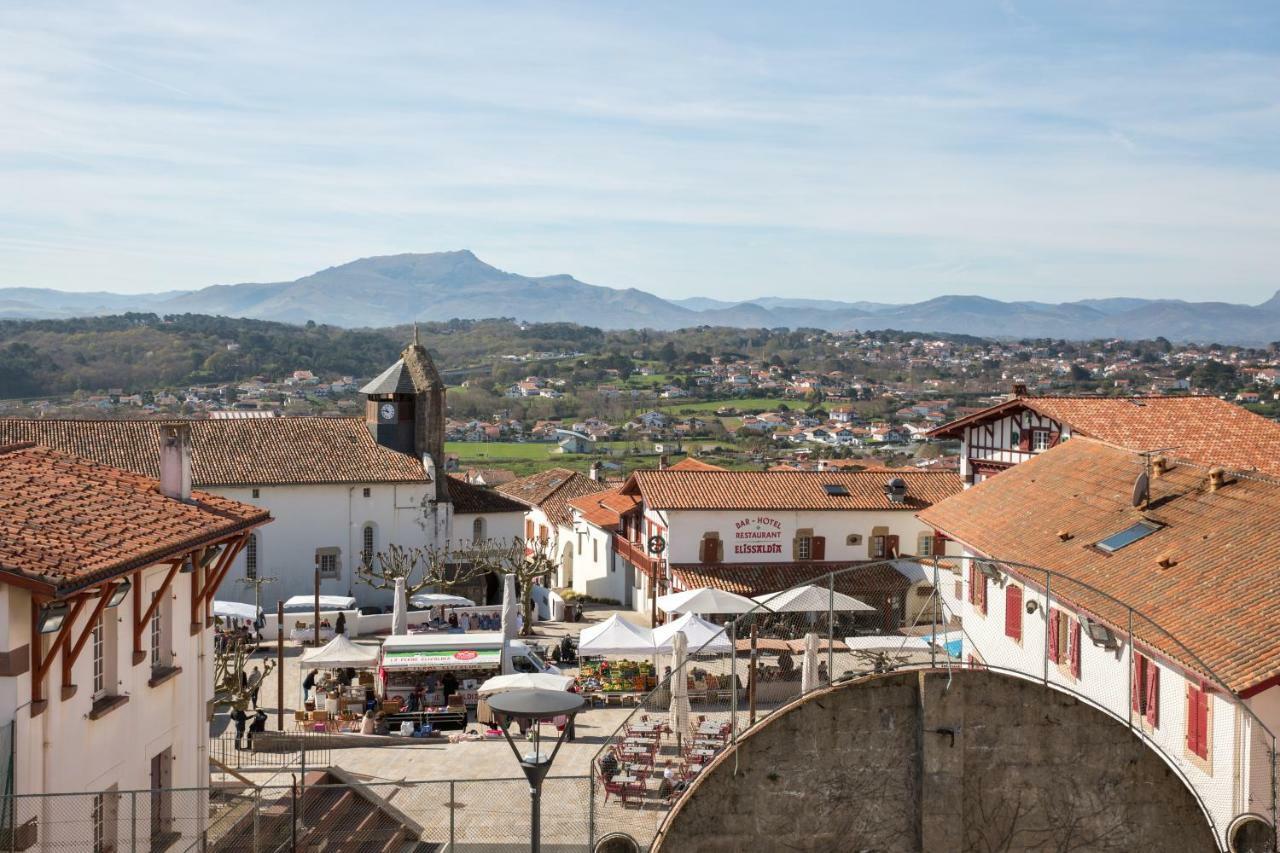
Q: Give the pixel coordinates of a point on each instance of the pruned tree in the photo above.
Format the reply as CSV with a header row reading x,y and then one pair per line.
x,y
422,568
527,560
232,686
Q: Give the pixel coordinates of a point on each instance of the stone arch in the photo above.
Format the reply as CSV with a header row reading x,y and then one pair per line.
x,y
937,761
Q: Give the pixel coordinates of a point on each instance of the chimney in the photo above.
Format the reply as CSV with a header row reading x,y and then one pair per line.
x,y
663,461
1159,465
822,465
1019,389
1217,479
175,461
594,472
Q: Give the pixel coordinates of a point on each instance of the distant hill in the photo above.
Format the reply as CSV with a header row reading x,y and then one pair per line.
x,y
394,289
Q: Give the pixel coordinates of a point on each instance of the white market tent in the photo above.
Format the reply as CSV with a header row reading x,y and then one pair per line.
x,y
705,600
705,638
340,653
524,681
236,610
616,636
810,599
307,603
439,599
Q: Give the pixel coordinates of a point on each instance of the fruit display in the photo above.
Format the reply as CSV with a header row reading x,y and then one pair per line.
x,y
618,676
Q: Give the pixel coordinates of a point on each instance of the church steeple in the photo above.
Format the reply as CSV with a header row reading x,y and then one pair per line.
x,y
405,410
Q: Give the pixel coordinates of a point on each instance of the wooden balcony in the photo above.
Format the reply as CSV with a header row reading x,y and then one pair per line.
x,y
634,553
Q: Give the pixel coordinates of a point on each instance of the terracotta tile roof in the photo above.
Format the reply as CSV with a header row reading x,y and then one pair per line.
x,y
551,491
605,509
787,490
67,522
257,451
1203,429
690,464
752,579
468,498
1221,595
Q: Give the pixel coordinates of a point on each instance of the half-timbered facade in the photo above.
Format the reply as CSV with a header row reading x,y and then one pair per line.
x,y
107,580
1204,429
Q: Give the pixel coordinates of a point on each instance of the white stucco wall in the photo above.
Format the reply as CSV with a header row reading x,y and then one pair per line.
x,y
327,516
596,570
500,526
62,750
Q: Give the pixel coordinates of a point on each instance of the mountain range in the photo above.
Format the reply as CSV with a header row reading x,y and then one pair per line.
x,y
394,289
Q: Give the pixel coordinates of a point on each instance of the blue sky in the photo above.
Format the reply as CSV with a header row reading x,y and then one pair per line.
x,y
892,151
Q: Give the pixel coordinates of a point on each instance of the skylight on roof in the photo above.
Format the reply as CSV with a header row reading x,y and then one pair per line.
x,y
835,490
1128,536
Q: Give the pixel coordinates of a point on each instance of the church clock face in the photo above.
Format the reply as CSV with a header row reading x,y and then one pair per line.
x,y
387,412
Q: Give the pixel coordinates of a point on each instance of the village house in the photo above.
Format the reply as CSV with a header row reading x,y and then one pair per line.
x,y
1203,429
548,519
1190,546
106,665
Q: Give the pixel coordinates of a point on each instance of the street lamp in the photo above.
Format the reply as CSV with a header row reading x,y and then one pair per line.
x,y
532,707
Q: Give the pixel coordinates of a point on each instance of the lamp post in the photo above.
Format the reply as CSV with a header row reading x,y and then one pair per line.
x,y
532,707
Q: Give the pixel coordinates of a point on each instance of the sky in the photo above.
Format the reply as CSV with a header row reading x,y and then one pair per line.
x,y
852,150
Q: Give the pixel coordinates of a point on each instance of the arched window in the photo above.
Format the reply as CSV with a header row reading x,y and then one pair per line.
x,y
477,530
251,557
367,545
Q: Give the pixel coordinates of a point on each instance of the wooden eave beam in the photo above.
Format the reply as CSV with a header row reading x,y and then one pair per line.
x,y
43,661
223,566
71,655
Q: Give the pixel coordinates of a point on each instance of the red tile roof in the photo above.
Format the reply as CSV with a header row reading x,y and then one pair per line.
x,y
468,498
1221,594
690,464
1203,429
249,452
67,522
753,579
551,491
787,490
605,509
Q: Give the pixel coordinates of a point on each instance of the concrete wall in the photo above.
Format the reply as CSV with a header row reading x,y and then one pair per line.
x,y
904,762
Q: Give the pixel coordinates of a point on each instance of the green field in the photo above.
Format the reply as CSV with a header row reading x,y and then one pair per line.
x,y
526,458
744,404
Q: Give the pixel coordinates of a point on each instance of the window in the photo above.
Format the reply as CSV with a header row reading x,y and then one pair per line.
x,y
366,491
835,490
580,537
477,530
1013,612
804,547
710,549
1128,536
367,544
1146,689
256,494
543,534
1198,720
528,530
978,589
595,550
1040,439
251,557
327,560
105,818
157,635
924,545
98,641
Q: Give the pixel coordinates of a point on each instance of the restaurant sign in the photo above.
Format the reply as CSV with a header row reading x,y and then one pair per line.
x,y
441,658
757,534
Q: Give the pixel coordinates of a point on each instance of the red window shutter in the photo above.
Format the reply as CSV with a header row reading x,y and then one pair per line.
x,y
1055,653
818,548
939,546
1153,693
528,529
1193,719
1075,649
973,586
983,589
1013,612
1024,440
891,546
704,549
1053,438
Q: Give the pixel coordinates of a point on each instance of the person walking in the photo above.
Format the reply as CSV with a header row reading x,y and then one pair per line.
x,y
308,684
255,684
240,718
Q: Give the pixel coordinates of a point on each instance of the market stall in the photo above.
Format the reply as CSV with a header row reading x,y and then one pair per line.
x,y
299,614
342,693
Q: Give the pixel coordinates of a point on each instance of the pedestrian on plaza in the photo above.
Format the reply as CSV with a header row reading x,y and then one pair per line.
x,y
255,684
240,718
308,684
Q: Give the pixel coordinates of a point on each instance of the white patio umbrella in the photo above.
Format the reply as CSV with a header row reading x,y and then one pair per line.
x,y
510,608
399,615
616,636
705,600
439,599
524,681
810,599
701,637
340,653
679,712
809,665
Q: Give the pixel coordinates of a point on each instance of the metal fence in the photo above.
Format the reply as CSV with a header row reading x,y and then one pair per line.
x,y
473,815
271,749
1020,620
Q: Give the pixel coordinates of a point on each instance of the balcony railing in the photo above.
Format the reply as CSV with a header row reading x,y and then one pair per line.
x,y
634,553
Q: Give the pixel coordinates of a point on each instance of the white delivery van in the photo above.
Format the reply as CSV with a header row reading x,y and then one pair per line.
x,y
409,660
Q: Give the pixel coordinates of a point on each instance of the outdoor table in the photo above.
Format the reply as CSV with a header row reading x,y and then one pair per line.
x,y
705,753
637,741
709,744
625,780
644,727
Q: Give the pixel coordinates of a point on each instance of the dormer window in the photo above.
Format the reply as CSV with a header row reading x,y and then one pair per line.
x,y
1040,439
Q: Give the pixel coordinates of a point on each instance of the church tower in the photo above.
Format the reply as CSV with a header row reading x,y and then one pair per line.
x,y
405,411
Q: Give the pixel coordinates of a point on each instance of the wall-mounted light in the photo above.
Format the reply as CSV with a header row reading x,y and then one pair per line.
x,y
187,567
1100,635
1032,606
52,616
121,590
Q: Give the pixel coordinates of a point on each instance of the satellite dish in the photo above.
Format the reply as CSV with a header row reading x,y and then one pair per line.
x,y
1141,489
